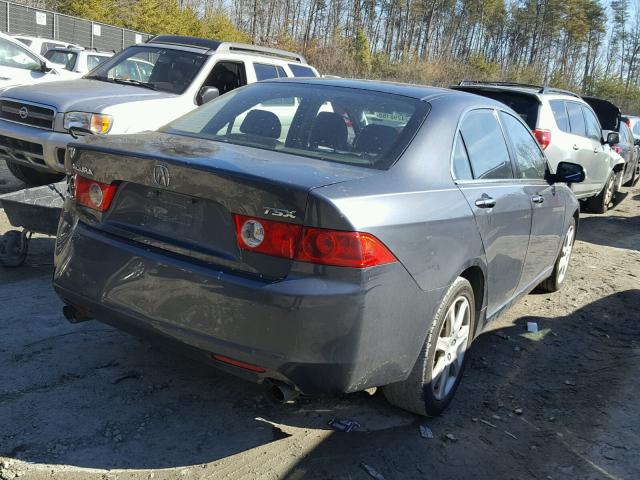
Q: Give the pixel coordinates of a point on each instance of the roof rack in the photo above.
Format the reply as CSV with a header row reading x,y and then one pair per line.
x,y
464,83
258,50
559,90
185,41
537,88
216,46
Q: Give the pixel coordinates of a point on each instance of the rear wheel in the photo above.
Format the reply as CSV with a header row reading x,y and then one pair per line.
x,y
600,203
556,280
31,176
438,370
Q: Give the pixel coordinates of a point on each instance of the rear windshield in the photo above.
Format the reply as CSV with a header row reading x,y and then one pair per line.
x,y
344,125
524,105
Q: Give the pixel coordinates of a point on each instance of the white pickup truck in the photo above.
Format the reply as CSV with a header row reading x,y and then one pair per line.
x,y
172,76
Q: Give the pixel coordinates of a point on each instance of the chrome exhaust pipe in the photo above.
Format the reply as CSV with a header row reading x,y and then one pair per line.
x,y
281,392
73,315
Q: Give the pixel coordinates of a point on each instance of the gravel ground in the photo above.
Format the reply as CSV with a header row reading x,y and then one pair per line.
x,y
90,402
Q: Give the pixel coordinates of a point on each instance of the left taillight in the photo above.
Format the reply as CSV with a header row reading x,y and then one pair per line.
x,y
543,137
313,245
93,194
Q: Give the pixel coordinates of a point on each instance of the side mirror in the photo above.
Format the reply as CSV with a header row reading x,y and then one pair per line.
x,y
612,138
207,94
568,172
44,68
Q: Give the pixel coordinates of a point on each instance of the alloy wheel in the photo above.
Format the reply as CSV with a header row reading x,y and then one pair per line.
x,y
608,194
565,254
451,347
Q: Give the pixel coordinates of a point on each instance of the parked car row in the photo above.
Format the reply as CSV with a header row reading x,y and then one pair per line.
x,y
313,234
585,130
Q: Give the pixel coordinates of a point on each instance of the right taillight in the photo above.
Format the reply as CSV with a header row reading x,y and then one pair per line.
x,y
307,244
93,194
543,137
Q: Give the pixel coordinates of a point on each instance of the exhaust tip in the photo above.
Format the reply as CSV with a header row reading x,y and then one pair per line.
x,y
282,393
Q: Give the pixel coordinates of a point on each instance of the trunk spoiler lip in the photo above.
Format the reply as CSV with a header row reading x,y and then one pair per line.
x,y
353,172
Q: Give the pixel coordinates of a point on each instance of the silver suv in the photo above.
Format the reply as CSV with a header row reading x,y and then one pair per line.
x,y
568,131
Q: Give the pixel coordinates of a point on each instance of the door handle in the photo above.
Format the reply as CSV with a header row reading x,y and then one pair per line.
x,y
596,150
485,201
537,199
576,147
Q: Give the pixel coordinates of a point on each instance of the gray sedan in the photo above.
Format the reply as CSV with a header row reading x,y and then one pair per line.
x,y
318,235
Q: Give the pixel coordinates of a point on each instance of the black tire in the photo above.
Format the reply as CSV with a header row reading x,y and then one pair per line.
x,y
31,176
558,276
600,203
416,393
14,246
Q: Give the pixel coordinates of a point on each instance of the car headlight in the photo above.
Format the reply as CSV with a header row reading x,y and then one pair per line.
x,y
98,123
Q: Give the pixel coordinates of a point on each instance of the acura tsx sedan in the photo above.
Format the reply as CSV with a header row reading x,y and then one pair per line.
x,y
318,235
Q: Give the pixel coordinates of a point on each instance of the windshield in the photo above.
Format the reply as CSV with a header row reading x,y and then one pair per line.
x,y
345,125
163,69
12,55
63,58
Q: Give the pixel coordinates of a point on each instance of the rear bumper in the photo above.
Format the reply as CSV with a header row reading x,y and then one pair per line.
x,y
321,329
34,147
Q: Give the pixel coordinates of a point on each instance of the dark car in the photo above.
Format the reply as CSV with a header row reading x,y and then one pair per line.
x,y
319,235
611,119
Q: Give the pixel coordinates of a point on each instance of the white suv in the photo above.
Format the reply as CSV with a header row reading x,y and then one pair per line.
x,y
141,88
77,60
41,45
21,66
568,131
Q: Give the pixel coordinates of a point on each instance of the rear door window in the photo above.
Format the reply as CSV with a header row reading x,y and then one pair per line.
x,y
576,119
486,145
529,158
593,126
301,70
560,115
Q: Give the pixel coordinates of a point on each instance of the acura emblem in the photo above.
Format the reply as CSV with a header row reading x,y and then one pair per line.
x,y
161,175
23,113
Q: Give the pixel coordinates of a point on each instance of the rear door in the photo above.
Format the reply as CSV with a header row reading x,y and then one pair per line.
x,y
547,223
583,148
501,206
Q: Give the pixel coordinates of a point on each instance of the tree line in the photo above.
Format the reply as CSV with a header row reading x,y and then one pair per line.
x,y
589,46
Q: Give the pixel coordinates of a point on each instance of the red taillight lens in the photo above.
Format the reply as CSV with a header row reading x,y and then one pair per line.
x,y
628,122
344,249
313,245
543,137
93,194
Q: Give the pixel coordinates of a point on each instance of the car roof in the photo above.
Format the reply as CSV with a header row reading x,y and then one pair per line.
x,y
419,92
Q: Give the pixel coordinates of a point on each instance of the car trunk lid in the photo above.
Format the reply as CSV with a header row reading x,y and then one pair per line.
x,y
179,194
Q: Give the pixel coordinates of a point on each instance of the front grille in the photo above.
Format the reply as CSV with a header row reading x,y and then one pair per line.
x,y
27,114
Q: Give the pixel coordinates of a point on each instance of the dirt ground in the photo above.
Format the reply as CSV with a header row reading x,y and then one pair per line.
x,y
90,402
